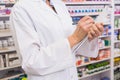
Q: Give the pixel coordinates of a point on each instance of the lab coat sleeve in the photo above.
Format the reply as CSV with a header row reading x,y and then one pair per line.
x,y
37,59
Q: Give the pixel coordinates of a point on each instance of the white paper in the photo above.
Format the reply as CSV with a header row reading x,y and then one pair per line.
x,y
88,48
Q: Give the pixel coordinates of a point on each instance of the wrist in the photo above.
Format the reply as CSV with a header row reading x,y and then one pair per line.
x,y
73,40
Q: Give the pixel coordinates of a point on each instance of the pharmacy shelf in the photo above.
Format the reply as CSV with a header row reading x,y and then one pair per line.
x,y
116,66
117,55
116,41
106,23
5,33
117,2
104,36
1,3
12,76
107,47
4,15
5,68
116,15
94,74
88,2
92,62
5,30
83,14
9,49
116,28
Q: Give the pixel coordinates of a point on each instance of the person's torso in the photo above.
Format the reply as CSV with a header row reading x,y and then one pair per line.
x,y
50,27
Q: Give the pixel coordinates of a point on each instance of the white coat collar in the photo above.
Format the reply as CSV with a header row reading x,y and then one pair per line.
x,y
55,3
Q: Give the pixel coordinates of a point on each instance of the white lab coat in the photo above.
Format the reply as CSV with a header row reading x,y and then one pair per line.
x,y
42,39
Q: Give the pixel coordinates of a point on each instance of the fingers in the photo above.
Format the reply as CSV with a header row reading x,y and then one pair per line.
x,y
100,26
90,37
92,32
95,31
88,21
86,18
87,26
85,23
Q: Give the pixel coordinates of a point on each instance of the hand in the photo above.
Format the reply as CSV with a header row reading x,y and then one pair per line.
x,y
95,31
81,31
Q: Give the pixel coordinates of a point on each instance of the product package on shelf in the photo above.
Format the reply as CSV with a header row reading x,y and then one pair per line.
x,y
7,1
4,11
117,9
103,43
9,60
2,25
5,26
117,61
1,62
77,12
13,59
10,42
4,60
103,54
85,10
117,49
2,7
80,60
6,43
117,23
104,16
93,68
100,13
117,74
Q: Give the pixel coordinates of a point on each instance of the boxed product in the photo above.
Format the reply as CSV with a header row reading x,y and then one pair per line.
x,y
13,59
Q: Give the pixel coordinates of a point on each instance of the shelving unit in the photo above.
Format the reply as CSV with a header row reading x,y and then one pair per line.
x,y
9,61
117,2
92,62
91,14
77,11
12,76
4,15
116,28
9,49
102,71
117,15
105,36
117,67
10,67
5,34
107,47
117,55
87,3
4,3
116,40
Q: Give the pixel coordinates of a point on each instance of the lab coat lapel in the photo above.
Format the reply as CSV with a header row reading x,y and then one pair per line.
x,y
48,8
60,8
